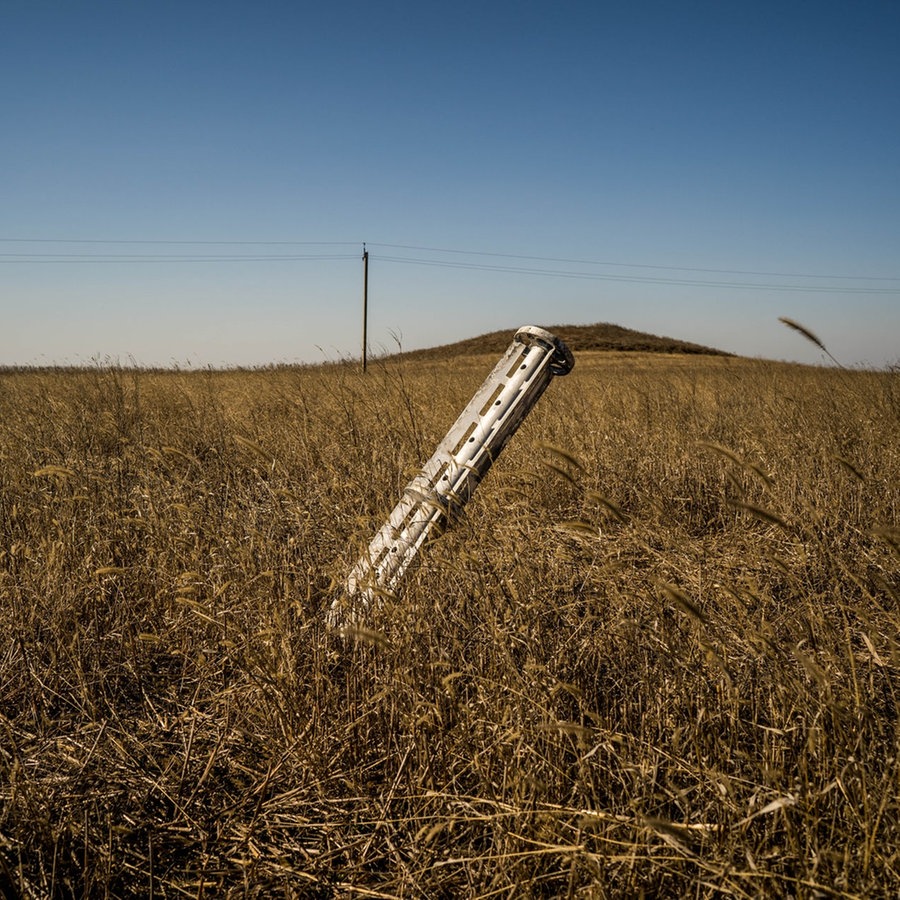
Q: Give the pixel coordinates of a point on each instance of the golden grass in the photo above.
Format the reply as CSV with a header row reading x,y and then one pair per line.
x,y
659,654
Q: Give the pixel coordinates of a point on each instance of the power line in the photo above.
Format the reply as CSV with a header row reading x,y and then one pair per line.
x,y
66,258
29,256
637,279
24,257
448,250
594,262
8,240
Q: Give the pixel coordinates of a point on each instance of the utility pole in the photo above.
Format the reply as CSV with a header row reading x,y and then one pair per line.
x,y
365,258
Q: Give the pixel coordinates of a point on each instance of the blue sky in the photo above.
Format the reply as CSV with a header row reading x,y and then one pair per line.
x,y
688,169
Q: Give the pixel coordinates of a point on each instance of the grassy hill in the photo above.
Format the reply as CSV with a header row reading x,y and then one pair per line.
x,y
579,338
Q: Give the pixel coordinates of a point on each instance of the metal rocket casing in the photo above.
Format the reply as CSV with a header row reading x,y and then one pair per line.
x,y
450,477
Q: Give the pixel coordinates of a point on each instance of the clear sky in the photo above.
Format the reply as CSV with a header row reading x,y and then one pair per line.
x,y
693,169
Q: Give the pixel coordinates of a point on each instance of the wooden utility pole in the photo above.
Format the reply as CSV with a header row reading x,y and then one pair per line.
x,y
365,258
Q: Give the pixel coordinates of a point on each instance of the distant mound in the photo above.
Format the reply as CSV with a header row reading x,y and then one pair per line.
x,y
577,337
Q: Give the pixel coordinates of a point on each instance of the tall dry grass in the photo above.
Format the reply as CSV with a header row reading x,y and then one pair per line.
x,y
658,656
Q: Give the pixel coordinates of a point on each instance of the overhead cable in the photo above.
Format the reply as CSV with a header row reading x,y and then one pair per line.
x,y
637,279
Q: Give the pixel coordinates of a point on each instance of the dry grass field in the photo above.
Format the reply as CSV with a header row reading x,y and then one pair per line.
x,y
659,656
